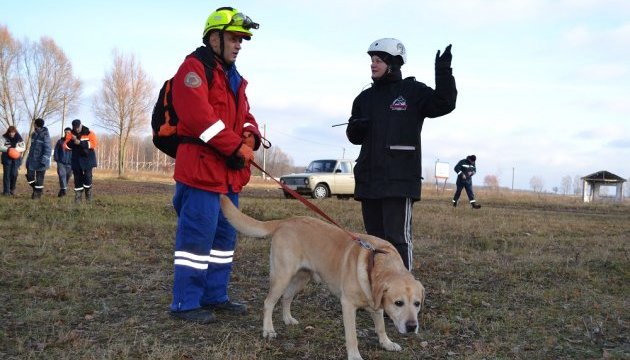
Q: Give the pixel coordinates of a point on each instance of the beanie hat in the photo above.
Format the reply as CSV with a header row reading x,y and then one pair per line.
x,y
472,158
76,123
39,122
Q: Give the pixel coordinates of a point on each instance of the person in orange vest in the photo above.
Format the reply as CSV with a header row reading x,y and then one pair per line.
x,y
82,141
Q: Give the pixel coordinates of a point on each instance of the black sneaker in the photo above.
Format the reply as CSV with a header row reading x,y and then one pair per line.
x,y
229,307
475,205
199,316
454,203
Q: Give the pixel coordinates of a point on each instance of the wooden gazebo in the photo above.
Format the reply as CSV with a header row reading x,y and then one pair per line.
x,y
593,183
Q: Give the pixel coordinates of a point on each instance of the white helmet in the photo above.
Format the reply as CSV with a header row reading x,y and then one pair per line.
x,y
389,45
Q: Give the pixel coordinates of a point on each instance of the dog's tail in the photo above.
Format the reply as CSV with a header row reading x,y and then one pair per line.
x,y
245,224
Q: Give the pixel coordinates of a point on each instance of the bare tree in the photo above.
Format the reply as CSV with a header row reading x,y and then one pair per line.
x,y
536,183
124,103
9,53
46,84
566,184
491,181
277,162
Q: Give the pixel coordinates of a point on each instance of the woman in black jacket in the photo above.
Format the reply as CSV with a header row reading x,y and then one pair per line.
x,y
12,146
386,121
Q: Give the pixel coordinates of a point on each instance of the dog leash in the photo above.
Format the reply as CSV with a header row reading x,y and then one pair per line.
x,y
313,207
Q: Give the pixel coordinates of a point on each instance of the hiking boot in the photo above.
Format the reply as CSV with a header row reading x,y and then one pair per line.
x,y
229,307
62,193
454,203
88,194
198,316
77,195
475,205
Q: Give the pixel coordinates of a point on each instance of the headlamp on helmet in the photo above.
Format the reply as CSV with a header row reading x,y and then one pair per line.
x,y
390,46
229,19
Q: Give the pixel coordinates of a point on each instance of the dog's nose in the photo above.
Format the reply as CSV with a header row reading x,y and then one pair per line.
x,y
411,326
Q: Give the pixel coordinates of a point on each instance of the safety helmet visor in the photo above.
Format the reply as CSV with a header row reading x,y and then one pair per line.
x,y
240,19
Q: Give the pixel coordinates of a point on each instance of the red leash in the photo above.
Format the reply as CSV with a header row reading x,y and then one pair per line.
x,y
312,206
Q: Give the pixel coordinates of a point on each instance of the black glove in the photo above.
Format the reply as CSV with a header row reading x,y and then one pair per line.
x,y
235,162
357,129
359,123
444,61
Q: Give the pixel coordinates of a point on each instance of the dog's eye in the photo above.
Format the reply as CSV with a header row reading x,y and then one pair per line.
x,y
416,304
399,303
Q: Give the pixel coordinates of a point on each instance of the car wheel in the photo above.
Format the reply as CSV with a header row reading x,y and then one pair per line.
x,y
320,191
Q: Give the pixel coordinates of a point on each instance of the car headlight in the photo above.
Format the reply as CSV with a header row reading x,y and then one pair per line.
x,y
282,181
305,181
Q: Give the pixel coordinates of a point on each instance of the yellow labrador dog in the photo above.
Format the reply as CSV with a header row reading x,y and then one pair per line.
x,y
304,248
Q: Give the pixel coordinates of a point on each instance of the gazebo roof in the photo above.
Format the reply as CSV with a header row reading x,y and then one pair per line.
x,y
604,176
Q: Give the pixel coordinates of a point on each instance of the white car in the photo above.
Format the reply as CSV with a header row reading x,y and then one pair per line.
x,y
322,179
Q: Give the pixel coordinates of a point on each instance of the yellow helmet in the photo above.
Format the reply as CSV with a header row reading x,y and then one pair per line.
x,y
229,19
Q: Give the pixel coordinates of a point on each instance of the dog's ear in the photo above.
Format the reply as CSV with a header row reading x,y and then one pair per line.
x,y
378,291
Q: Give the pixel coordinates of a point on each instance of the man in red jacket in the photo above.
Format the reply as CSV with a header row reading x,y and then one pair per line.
x,y
213,108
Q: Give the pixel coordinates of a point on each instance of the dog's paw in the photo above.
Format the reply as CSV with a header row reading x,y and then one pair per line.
x,y
269,334
291,321
391,346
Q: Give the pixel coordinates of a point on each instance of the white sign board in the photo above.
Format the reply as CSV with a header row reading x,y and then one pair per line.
x,y
442,170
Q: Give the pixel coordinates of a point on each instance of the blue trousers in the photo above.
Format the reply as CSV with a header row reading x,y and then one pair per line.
x,y
464,185
9,176
64,171
204,249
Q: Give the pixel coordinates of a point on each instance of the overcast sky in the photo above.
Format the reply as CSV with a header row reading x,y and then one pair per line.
x,y
544,86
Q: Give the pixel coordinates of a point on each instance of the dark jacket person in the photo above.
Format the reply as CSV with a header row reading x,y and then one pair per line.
x,y
82,141
38,160
386,121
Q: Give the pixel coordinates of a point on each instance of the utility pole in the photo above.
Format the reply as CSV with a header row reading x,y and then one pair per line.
x,y
512,178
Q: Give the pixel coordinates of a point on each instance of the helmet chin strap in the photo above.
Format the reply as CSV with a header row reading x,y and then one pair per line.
x,y
222,43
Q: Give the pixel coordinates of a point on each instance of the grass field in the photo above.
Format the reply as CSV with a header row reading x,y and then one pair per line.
x,y
525,277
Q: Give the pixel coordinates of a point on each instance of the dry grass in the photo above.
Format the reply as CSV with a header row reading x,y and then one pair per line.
x,y
525,277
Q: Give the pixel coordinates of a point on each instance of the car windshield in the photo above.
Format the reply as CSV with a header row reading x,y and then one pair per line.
x,y
327,166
